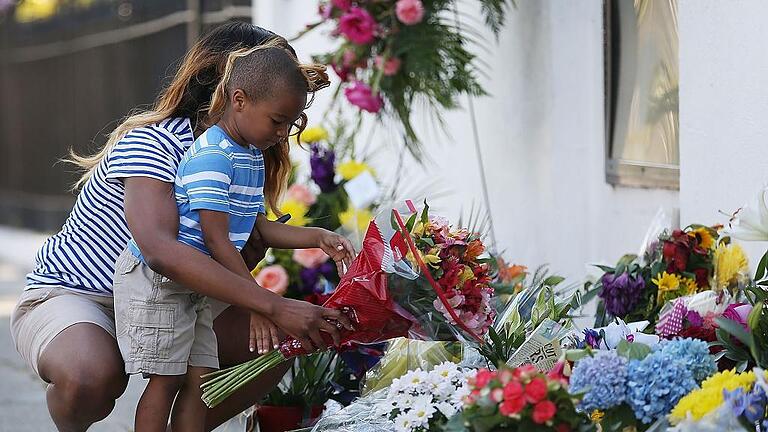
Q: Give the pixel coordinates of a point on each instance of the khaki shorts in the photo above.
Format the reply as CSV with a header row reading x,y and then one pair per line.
x,y
162,327
42,313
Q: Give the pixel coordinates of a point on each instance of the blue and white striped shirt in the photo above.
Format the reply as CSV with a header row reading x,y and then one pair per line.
x,y
218,174
82,255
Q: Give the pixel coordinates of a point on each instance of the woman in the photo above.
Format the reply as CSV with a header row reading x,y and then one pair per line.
x,y
63,324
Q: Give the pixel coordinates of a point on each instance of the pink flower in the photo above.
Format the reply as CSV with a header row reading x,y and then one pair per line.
x,y
483,377
738,312
273,278
390,67
409,12
536,390
511,407
513,390
310,258
343,5
358,26
497,395
544,411
361,95
302,194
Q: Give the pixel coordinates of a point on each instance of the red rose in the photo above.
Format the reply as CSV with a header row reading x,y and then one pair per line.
x,y
513,390
511,406
676,255
536,390
544,411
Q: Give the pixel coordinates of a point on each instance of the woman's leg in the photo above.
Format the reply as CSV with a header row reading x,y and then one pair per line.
x,y
232,333
155,404
84,369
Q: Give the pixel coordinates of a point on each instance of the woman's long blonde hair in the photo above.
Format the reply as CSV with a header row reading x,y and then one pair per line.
x,y
189,94
277,162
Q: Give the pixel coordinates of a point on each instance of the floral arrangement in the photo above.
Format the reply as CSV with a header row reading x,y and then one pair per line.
x,y
395,54
424,401
725,401
519,399
390,291
320,201
676,265
639,385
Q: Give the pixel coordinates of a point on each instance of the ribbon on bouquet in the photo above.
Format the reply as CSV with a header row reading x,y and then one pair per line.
x,y
417,256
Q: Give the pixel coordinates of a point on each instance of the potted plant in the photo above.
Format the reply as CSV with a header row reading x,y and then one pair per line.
x,y
298,399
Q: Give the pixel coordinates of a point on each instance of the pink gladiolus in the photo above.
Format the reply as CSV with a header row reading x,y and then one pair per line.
x,y
310,258
343,5
273,278
390,67
409,12
302,194
360,95
358,26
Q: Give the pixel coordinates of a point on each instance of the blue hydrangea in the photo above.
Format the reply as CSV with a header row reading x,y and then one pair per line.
x,y
602,378
655,385
693,354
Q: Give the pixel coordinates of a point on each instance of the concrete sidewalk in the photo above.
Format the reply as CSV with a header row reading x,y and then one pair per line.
x,y
22,393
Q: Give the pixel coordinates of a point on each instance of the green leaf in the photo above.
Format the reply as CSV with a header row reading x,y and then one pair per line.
x,y
736,330
410,223
604,268
425,213
761,266
632,350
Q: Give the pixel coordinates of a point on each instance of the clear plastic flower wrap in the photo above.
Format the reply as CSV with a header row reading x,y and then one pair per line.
x,y
415,277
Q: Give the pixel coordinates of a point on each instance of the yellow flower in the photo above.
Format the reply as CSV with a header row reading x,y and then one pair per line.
x,y
356,220
709,397
706,240
352,168
730,262
314,134
296,209
689,286
667,283
466,274
432,260
597,416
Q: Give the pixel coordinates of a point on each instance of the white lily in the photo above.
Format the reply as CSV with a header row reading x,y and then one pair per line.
x,y
751,221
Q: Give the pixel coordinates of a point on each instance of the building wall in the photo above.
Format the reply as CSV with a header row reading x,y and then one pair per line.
x,y
541,138
723,108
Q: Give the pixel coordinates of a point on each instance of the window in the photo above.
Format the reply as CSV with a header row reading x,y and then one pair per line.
x,y
641,93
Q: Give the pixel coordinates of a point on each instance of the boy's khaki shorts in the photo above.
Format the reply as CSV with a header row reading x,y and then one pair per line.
x,y
161,326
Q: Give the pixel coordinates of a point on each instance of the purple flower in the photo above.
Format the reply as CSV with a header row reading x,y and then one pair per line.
x,y
592,338
694,319
622,293
309,279
328,269
738,312
322,163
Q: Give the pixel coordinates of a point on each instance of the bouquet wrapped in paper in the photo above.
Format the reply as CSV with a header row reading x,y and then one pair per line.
x,y
415,277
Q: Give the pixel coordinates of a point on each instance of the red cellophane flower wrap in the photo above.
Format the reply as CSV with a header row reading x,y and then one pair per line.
x,y
415,277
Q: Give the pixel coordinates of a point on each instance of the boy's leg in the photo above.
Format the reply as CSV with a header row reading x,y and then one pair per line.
x,y
189,410
156,401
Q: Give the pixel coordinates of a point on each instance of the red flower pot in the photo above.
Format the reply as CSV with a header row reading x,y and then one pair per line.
x,y
285,418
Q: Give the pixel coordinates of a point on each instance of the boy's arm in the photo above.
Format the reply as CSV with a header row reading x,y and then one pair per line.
x,y
215,228
283,236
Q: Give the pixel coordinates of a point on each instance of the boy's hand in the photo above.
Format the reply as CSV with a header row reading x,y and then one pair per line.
x,y
338,248
263,334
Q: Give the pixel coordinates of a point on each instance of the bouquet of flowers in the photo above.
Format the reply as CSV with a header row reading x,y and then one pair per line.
x,y
393,54
519,399
329,199
635,385
416,278
424,401
675,265
726,401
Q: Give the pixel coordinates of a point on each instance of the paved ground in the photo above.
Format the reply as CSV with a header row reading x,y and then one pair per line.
x,y
22,394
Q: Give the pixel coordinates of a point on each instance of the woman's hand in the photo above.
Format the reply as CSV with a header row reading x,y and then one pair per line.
x,y
304,322
338,248
263,335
